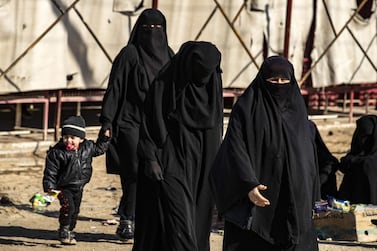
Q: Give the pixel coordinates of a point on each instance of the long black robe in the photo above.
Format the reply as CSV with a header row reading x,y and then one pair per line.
x,y
359,184
182,131
268,142
328,164
132,72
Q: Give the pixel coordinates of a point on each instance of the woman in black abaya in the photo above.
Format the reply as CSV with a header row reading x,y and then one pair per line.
x,y
181,134
265,176
134,68
359,184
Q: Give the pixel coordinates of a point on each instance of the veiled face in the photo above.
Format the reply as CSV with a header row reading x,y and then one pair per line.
x,y
204,62
277,70
278,80
199,74
151,26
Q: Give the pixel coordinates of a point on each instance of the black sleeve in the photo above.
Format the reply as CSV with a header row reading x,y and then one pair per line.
x,y
124,63
101,145
50,174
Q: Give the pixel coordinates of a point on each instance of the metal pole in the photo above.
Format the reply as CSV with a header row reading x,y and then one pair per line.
x,y
287,28
58,113
154,4
352,96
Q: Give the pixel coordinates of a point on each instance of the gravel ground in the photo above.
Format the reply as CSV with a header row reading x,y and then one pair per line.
x,y
22,229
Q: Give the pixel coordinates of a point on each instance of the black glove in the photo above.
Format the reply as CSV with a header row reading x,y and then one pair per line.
x,y
103,130
153,170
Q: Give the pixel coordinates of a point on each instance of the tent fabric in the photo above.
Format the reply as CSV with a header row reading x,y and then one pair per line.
x,y
344,63
68,48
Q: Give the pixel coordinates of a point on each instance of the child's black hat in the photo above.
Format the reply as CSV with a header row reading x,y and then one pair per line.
x,y
74,125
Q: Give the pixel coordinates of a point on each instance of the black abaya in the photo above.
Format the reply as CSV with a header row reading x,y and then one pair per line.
x,y
268,142
133,70
181,132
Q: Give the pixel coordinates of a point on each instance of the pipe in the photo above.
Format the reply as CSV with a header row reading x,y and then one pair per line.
x,y
155,4
287,28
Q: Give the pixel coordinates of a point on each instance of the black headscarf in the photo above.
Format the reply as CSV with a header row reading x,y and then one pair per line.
x,y
196,91
180,94
359,165
364,139
268,142
151,41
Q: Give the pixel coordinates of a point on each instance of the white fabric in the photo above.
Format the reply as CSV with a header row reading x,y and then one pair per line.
x,y
69,48
344,63
74,127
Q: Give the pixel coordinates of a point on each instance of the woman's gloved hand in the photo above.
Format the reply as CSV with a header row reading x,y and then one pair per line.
x,y
153,170
105,132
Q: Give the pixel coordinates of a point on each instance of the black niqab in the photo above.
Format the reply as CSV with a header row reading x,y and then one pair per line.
x,y
149,37
196,96
194,105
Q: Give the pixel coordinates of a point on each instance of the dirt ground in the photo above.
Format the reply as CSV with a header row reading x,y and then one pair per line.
x,y
21,229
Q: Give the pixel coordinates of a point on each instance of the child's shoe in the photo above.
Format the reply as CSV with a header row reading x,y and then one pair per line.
x,y
65,236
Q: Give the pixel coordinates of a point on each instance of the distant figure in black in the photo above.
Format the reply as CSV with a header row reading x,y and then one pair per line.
x,y
359,166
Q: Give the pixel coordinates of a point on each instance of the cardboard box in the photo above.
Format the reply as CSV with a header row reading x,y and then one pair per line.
x,y
357,225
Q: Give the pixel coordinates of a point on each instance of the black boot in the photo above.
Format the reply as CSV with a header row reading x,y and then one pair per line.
x,y
65,236
125,230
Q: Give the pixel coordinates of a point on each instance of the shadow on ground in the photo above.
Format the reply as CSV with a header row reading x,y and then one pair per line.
x,y
7,232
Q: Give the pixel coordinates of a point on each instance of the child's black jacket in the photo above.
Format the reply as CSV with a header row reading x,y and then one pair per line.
x,y
71,169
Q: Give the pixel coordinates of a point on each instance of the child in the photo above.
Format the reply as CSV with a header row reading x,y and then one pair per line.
x,y
68,168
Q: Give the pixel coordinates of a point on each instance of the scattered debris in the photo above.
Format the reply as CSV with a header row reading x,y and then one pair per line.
x,y
110,222
110,188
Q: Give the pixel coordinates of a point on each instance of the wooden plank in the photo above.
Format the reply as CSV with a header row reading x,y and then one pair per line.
x,y
357,225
